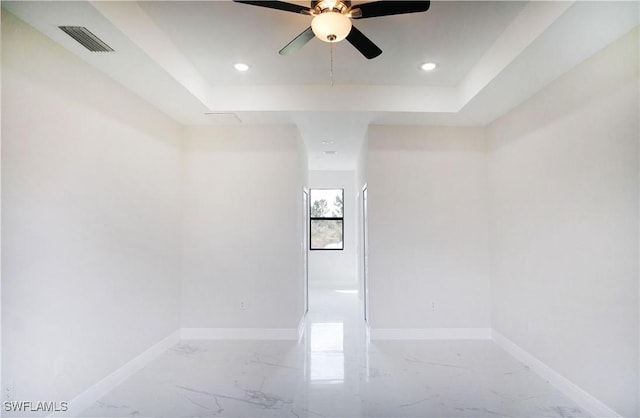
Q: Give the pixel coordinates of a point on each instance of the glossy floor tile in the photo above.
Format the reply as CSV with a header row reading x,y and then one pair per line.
x,y
333,372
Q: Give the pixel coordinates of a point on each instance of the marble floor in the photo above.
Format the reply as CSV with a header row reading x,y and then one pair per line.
x,y
334,372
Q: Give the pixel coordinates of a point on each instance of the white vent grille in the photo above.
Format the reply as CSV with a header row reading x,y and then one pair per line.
x,y
86,38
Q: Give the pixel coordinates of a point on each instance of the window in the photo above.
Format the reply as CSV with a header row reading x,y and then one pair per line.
x,y
327,219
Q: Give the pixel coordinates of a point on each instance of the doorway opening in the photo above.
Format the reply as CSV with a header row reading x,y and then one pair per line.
x,y
364,227
305,249
333,277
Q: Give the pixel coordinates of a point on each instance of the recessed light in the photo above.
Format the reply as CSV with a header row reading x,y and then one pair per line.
x,y
428,66
330,152
241,67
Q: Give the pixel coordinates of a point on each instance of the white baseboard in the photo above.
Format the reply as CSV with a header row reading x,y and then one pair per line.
x,y
302,325
367,333
87,398
430,333
564,385
239,333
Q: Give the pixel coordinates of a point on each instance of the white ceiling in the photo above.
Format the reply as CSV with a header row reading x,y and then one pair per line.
x,y
179,56
255,35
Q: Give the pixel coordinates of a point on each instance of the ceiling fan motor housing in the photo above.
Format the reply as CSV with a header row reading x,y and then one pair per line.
x,y
319,6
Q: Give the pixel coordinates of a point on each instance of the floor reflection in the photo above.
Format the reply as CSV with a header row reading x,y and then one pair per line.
x,y
326,356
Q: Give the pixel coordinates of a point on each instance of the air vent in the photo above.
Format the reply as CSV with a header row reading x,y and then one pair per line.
x,y
86,38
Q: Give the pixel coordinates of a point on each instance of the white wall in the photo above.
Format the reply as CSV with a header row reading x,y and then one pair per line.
x,y
564,177
336,269
242,227
428,233
90,226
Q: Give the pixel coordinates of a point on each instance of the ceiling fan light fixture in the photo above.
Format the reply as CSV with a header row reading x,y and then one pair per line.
x,y
331,26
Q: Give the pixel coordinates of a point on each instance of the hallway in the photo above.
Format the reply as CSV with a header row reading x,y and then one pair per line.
x,y
334,372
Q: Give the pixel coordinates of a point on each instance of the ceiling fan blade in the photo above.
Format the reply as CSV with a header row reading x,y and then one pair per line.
x,y
386,8
363,44
298,42
278,5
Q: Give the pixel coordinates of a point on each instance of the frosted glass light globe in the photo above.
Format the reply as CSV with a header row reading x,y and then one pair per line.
x,y
331,26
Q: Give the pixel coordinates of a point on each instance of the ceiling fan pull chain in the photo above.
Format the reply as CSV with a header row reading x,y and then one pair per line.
x,y
331,67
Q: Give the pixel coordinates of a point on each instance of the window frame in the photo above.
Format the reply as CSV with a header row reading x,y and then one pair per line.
x,y
322,218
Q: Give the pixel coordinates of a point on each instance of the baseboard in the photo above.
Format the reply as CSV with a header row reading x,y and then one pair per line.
x,y
88,398
564,385
239,333
430,333
367,334
302,325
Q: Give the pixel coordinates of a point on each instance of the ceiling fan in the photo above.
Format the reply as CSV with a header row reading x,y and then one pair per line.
x,y
332,20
